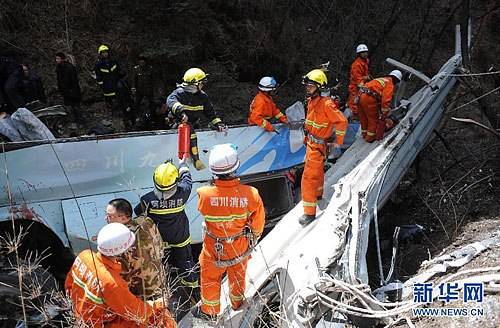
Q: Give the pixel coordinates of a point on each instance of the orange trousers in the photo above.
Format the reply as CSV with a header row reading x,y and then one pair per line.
x,y
368,116
313,177
211,277
352,106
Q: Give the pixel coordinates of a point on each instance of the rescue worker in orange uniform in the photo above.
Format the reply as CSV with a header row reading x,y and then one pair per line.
x,y
375,102
100,296
322,116
358,77
263,107
234,220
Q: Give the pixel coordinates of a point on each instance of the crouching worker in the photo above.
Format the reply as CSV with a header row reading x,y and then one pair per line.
x,y
234,219
263,107
374,103
100,296
188,103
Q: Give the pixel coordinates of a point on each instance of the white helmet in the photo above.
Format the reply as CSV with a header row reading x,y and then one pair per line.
x,y
361,48
114,239
397,74
223,159
267,83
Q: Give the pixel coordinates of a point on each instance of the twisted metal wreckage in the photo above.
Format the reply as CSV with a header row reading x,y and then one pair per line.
x,y
297,274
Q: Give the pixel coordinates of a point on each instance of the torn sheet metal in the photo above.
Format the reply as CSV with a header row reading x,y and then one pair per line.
x,y
455,259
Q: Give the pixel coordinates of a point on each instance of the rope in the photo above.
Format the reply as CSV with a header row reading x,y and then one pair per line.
x,y
475,74
474,100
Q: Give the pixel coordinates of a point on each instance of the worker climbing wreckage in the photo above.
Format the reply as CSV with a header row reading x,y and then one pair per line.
x,y
263,108
234,220
188,103
165,205
142,265
100,296
374,105
322,117
359,75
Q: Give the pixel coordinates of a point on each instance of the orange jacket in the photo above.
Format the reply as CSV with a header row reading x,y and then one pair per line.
x,y
384,87
100,296
322,116
359,74
228,207
262,109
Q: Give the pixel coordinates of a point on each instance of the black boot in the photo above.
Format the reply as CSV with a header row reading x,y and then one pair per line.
x,y
306,219
197,313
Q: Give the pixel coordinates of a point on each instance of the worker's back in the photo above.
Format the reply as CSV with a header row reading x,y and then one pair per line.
x,y
229,207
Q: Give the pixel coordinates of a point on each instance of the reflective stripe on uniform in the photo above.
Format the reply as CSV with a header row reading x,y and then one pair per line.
x,y
162,211
192,284
226,218
280,114
216,120
110,94
385,110
381,81
100,82
179,245
316,125
236,298
209,303
94,298
311,204
193,108
339,133
176,106
194,150
104,70
370,133
193,136
264,124
113,68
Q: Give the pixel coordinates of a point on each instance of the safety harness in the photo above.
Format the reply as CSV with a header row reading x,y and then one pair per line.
x,y
219,246
369,92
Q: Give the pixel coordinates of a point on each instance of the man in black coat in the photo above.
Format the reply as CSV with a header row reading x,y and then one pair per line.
x,y
69,86
32,85
10,85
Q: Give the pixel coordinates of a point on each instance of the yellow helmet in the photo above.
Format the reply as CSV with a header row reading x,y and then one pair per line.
x,y
316,76
194,76
102,48
165,176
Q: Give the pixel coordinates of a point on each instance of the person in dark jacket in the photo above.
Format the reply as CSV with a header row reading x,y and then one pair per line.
x,y
142,87
165,205
11,97
69,86
188,103
32,85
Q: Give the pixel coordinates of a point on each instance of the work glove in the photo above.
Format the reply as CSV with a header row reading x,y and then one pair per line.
x,y
184,117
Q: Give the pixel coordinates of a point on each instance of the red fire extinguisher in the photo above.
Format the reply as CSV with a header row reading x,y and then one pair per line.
x,y
184,140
